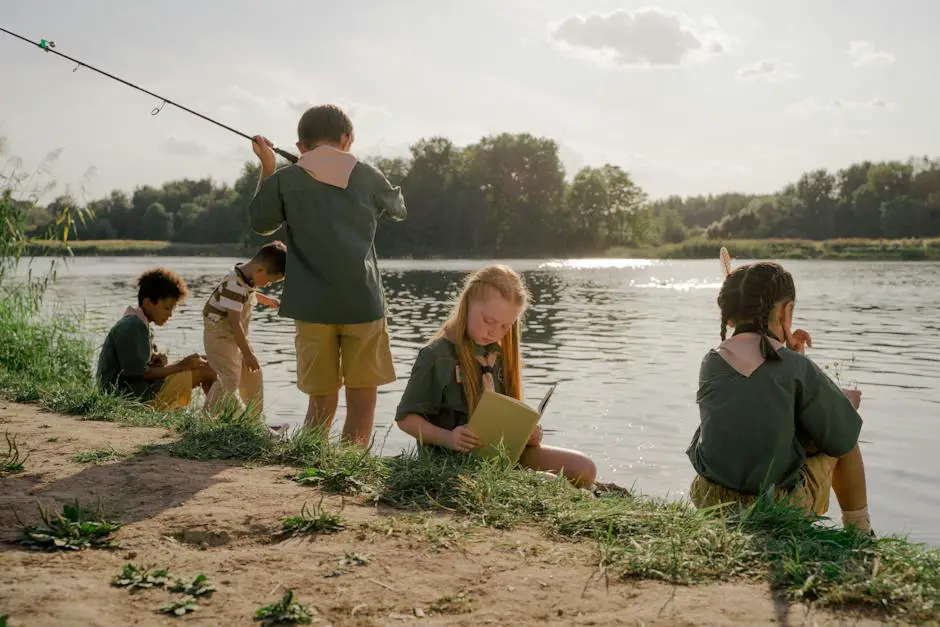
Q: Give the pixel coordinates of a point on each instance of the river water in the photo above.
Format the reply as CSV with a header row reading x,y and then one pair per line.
x,y
624,339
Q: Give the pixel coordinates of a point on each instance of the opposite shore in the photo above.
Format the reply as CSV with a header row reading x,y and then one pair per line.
x,y
697,248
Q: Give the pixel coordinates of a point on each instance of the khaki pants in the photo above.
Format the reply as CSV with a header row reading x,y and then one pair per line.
x,y
811,496
235,383
175,393
330,356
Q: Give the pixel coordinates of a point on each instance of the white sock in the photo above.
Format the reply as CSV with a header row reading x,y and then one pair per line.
x,y
857,518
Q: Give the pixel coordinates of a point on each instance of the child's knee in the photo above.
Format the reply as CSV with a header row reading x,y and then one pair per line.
x,y
585,470
580,469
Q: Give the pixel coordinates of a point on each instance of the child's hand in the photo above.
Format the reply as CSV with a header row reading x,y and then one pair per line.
x,y
267,301
463,439
800,341
264,150
251,362
194,362
854,396
159,360
535,438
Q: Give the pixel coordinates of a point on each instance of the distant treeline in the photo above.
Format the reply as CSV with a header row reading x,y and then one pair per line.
x,y
507,195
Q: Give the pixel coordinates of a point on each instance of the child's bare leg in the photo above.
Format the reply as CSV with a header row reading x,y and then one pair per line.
x,y
204,377
576,467
320,411
360,414
848,481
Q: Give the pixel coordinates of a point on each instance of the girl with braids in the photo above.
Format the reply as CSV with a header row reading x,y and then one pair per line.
x,y
771,420
477,348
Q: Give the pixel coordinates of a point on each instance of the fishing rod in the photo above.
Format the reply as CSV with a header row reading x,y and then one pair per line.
x,y
49,46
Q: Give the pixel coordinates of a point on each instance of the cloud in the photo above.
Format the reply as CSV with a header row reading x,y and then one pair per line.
x,y
865,54
874,103
812,106
352,108
262,102
646,38
768,70
184,147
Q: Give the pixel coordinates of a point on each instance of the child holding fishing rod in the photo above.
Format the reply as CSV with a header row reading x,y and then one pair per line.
x,y
329,204
771,420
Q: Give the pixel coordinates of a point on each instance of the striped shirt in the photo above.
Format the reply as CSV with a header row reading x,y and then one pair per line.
x,y
233,293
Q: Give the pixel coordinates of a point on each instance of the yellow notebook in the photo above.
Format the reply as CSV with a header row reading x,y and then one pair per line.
x,y
502,421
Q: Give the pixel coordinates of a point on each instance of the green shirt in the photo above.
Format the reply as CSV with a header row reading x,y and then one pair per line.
x,y
125,357
434,390
754,430
332,276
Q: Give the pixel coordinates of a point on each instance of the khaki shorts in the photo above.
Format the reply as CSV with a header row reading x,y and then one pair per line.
x,y
175,393
234,382
811,496
330,356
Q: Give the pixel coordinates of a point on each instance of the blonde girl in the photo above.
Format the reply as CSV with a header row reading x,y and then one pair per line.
x,y
477,348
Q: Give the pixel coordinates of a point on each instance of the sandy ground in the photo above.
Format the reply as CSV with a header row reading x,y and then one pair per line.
x,y
223,520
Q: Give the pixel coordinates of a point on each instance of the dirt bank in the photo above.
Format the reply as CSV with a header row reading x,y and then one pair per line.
x,y
224,520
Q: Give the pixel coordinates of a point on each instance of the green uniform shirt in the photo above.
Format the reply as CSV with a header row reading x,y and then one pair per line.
x,y
754,430
332,276
434,389
125,357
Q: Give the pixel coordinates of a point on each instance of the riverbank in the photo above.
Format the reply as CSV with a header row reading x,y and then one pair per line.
x,y
835,249
385,565
460,540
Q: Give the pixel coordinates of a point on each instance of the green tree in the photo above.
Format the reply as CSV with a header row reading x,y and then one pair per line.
x,y
157,223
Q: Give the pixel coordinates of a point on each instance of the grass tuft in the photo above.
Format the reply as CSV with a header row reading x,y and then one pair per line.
x,y
74,529
287,611
199,587
319,521
96,456
181,606
133,577
11,462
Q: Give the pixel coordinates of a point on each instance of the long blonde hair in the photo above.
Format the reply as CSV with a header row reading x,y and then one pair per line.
x,y
510,286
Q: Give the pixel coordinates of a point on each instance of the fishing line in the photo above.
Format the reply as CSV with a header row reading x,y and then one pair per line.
x,y
49,46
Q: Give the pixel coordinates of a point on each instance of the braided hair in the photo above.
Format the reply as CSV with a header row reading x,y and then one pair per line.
x,y
749,295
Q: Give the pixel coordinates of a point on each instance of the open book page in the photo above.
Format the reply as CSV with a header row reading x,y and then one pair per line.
x,y
502,422
545,398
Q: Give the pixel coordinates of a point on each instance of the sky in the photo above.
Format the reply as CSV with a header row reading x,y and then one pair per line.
x,y
689,96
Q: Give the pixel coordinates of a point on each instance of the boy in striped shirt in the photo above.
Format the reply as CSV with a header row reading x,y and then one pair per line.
x,y
226,316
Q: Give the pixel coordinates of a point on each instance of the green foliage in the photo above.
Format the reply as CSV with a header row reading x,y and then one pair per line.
x,y
11,461
200,586
76,528
181,606
287,611
505,195
319,521
132,577
96,456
